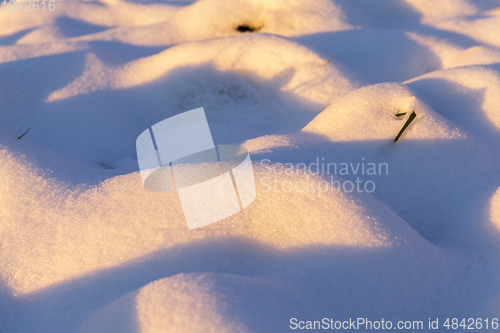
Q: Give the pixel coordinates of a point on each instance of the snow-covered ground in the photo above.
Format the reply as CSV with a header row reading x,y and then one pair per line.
x,y
86,248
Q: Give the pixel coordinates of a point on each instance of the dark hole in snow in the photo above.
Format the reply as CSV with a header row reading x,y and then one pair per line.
x,y
105,165
245,28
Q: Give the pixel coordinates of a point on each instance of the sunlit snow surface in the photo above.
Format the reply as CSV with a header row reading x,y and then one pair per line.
x,y
86,248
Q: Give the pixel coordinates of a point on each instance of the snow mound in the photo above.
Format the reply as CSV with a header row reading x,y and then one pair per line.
x,y
468,21
84,229
495,210
300,71
388,55
477,55
201,302
482,29
216,18
370,113
447,137
207,19
465,96
469,96
77,18
84,246
60,237
276,86
431,11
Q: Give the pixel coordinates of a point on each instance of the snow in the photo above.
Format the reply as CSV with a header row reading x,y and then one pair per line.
x,y
86,248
